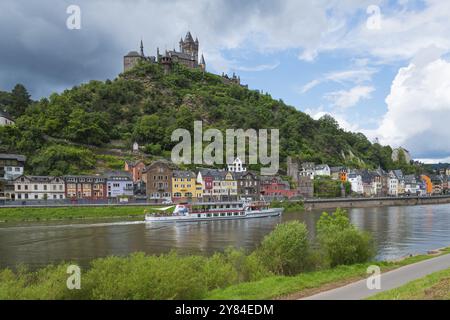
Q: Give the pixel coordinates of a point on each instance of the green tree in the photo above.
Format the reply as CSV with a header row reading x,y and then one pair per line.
x,y
20,100
286,249
340,242
148,129
88,128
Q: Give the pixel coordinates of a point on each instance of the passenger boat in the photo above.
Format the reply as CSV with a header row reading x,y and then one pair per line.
x,y
212,211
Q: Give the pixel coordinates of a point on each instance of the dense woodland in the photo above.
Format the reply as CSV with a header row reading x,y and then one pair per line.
x,y
63,133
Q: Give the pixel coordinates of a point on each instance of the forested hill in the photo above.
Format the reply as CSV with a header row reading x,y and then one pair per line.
x,y
145,105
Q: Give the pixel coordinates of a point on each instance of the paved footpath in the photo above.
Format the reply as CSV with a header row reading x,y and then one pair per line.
x,y
389,280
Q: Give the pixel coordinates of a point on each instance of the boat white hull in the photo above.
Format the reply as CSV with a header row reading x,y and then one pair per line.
x,y
273,212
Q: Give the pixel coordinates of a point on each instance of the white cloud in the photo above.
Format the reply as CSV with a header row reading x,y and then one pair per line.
x,y
359,74
418,114
345,99
317,113
310,85
261,67
403,32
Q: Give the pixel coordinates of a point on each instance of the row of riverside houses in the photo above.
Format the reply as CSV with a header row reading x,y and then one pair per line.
x,y
162,181
368,182
15,185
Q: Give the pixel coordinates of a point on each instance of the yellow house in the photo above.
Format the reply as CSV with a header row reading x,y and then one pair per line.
x,y
184,186
229,186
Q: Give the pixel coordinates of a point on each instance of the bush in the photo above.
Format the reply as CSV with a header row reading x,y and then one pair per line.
x,y
289,206
341,242
146,277
286,249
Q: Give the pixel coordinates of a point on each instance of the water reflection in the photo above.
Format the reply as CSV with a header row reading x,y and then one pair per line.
x,y
398,231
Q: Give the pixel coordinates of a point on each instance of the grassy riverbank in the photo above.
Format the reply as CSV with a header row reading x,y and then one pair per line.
x,y
52,213
306,284
91,212
435,286
170,276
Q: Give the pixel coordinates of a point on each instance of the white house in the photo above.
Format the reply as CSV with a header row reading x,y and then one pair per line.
x,y
322,170
237,166
5,119
356,183
392,184
399,180
39,188
119,184
411,186
308,170
11,165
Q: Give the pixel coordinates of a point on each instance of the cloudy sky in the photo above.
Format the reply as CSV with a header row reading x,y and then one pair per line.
x,y
379,67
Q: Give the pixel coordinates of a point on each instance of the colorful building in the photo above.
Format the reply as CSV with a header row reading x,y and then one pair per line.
x,y
135,168
119,184
39,188
158,179
185,186
273,187
429,185
86,187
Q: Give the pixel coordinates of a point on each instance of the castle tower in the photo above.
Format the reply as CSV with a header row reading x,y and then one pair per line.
x,y
131,60
190,47
166,62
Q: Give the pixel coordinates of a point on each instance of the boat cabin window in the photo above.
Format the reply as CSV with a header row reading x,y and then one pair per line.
x,y
198,215
208,215
216,214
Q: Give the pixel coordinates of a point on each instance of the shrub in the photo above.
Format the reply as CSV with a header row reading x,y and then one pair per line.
x,y
286,249
341,242
146,277
289,206
219,273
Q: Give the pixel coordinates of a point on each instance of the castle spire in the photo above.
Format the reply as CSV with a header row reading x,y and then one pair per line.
x,y
142,48
203,63
188,37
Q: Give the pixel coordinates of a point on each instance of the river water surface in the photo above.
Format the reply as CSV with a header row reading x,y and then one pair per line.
x,y
398,231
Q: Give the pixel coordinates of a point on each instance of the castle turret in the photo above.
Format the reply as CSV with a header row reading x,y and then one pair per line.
x,y
142,49
202,63
131,60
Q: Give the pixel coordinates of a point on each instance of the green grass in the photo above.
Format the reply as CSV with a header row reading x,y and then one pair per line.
x,y
432,287
36,214
278,286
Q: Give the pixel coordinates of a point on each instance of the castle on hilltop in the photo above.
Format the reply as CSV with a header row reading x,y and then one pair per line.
x,y
188,56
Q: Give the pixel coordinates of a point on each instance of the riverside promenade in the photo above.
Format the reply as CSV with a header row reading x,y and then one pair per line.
x,y
309,204
312,204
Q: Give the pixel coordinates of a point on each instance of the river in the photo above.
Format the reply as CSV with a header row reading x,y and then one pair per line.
x,y
398,231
